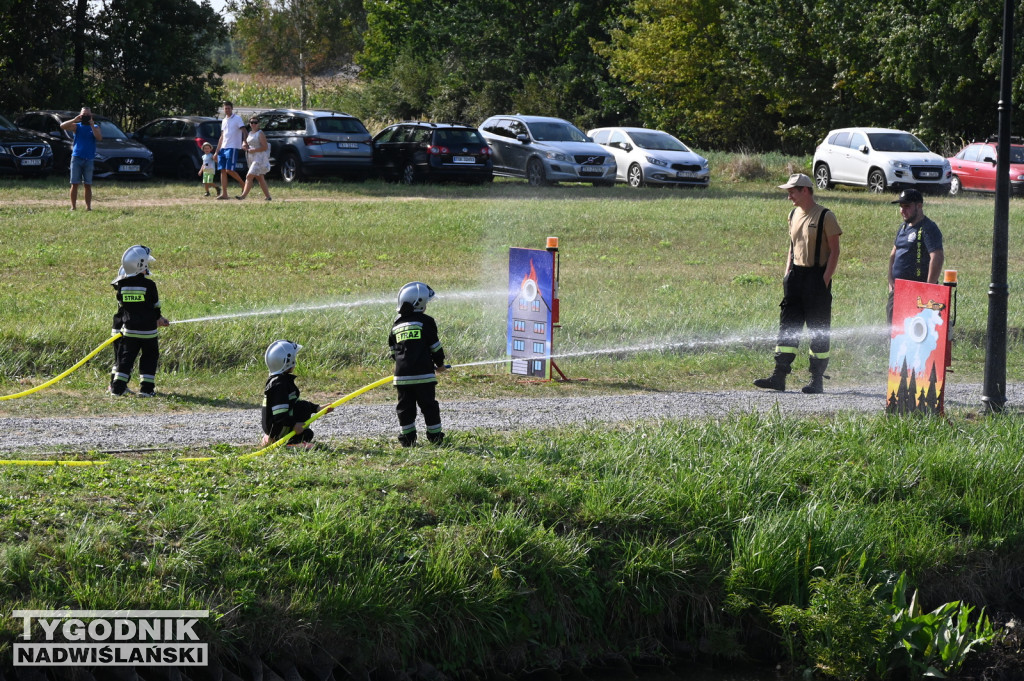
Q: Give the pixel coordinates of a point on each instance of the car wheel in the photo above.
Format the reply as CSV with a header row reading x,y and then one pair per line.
x,y
184,169
955,186
876,182
291,168
409,174
635,176
535,173
823,177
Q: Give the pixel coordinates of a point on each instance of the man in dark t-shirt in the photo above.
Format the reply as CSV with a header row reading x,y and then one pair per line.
x,y
917,253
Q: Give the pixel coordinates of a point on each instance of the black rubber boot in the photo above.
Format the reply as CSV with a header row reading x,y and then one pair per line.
x,y
815,387
435,438
407,439
777,381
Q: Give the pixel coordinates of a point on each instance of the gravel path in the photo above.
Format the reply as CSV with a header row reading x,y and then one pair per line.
x,y
241,426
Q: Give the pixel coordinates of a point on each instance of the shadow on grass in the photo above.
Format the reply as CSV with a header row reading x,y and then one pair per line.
x,y
226,403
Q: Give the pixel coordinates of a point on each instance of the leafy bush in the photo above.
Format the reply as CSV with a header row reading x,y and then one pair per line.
x,y
848,632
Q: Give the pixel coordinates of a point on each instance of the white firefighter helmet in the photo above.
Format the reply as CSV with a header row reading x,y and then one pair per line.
x,y
136,261
280,356
417,294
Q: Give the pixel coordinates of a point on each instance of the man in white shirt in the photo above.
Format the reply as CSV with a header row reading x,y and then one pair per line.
x,y
232,130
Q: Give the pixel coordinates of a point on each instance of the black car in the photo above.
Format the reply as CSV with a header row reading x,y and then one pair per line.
x,y
306,143
117,155
177,144
416,151
23,153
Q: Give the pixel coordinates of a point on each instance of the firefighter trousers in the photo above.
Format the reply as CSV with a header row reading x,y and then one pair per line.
x,y
127,350
422,394
301,411
806,301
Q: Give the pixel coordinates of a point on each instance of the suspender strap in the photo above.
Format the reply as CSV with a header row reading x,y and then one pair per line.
x,y
820,228
792,248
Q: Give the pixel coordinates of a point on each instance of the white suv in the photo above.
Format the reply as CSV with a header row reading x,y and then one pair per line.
x,y
879,158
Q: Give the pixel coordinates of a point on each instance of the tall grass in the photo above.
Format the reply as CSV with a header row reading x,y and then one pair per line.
x,y
519,551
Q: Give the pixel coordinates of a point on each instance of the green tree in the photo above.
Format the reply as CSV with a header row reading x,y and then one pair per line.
x,y
923,65
153,58
37,54
676,63
300,38
479,57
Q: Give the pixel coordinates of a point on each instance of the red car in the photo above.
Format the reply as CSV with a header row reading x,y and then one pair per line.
x,y
974,168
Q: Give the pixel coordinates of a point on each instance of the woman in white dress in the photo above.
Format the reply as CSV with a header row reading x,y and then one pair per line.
x,y
257,152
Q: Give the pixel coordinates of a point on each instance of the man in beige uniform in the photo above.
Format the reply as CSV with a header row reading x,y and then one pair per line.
x,y
807,285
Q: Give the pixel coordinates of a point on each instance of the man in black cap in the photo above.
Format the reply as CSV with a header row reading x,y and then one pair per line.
x,y
917,252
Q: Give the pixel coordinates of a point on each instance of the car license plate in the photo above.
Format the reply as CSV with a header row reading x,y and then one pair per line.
x,y
929,173
463,159
128,169
686,174
347,145
31,162
591,169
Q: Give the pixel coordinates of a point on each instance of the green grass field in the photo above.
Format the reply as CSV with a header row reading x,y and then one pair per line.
x,y
498,551
700,271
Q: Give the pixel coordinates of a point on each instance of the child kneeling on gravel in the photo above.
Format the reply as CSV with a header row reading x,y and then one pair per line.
x,y
283,411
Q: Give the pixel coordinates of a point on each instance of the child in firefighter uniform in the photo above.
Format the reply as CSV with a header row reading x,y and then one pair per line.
x,y
283,411
417,352
137,318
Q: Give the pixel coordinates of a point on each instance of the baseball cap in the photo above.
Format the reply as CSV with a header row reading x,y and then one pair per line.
x,y
797,180
909,196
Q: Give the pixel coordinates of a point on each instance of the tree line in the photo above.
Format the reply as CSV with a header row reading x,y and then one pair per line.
x,y
722,74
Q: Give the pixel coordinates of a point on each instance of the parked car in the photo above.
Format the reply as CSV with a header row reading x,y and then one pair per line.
x,y
974,168
177,144
117,155
23,153
307,143
546,150
417,151
879,159
652,157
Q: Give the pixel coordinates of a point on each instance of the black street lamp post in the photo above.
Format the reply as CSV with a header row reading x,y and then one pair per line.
x,y
994,389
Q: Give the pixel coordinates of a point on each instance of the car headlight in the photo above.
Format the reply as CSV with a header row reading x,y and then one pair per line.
x,y
899,165
100,157
656,161
703,164
557,156
946,167
3,149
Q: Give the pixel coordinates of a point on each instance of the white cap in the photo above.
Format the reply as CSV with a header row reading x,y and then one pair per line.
x,y
797,180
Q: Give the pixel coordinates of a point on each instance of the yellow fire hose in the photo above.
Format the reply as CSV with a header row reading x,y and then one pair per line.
x,y
314,417
67,373
70,462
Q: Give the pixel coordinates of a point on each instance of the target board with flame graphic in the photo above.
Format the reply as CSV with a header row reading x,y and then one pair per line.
x,y
531,282
918,348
